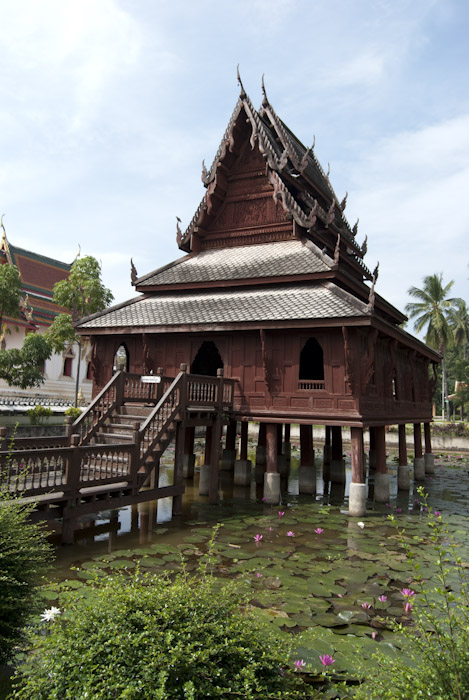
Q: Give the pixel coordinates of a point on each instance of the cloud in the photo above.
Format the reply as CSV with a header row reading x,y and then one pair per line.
x,y
410,192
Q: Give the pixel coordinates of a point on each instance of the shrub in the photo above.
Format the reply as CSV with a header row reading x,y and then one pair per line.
x,y
74,412
38,414
24,555
436,660
144,636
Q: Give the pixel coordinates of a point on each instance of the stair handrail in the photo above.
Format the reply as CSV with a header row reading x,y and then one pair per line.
x,y
80,426
179,382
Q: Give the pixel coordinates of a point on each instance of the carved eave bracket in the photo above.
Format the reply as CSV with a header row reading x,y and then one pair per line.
x,y
349,373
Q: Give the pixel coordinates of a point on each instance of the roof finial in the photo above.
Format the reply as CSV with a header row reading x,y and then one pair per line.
x,y
375,272
1,223
355,228
364,246
242,94
337,250
265,101
178,231
133,272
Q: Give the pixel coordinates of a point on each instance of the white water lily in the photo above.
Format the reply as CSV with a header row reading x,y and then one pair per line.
x,y
50,614
361,525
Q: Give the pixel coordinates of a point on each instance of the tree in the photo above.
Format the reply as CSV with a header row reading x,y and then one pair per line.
x,y
431,313
19,367
10,292
83,293
459,323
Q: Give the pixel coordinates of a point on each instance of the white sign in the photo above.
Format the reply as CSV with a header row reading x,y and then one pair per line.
x,y
150,379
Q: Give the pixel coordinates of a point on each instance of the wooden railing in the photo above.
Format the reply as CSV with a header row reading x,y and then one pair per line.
x,y
35,468
102,406
311,384
41,471
159,420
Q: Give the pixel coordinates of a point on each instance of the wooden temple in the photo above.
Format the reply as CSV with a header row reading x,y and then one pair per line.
x,y
273,293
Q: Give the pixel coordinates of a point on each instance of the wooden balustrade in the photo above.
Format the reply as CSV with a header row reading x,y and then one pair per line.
x,y
311,385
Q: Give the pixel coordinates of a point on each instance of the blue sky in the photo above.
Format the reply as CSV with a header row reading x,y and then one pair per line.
x,y
109,106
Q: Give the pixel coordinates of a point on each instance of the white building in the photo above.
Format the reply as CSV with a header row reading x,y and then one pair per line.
x,y
38,275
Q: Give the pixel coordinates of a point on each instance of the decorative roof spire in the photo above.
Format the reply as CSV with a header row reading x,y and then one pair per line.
x,y
265,101
242,94
364,247
375,272
133,272
343,203
337,250
178,231
355,228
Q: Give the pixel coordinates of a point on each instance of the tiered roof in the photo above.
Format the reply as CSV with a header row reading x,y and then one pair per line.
x,y
38,275
283,253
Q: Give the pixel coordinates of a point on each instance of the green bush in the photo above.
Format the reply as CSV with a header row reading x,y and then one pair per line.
x,y
435,663
24,555
144,636
73,411
38,414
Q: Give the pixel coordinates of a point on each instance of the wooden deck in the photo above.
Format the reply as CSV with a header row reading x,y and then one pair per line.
x,y
111,456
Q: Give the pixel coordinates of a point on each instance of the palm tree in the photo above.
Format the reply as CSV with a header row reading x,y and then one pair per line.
x,y
459,322
431,313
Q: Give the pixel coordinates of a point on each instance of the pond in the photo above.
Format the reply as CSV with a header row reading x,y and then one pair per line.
x,y
309,568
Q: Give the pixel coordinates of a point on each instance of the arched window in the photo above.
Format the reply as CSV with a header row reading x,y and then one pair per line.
x,y
311,374
121,359
207,360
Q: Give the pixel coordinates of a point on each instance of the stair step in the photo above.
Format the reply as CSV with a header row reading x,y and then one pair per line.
x,y
110,438
119,426
135,410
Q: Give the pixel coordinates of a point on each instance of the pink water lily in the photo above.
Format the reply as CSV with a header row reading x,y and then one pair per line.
x,y
382,598
408,607
326,660
319,531
437,513
281,513
299,664
290,533
366,606
259,575
258,538
407,592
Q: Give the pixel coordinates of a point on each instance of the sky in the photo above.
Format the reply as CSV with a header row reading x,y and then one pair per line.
x,y
108,107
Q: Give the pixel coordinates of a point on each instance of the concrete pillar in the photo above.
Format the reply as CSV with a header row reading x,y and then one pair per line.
x,y
271,477
419,461
204,480
243,445
381,490
429,457
242,472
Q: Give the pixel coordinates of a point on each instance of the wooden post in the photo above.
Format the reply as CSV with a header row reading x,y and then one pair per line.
x,y
306,445
381,475
231,435
403,469
402,446
428,438
429,457
287,433
214,460
336,442
271,448
159,387
279,438
72,485
178,467
262,439
417,440
271,476
419,461
357,489
208,444
243,452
